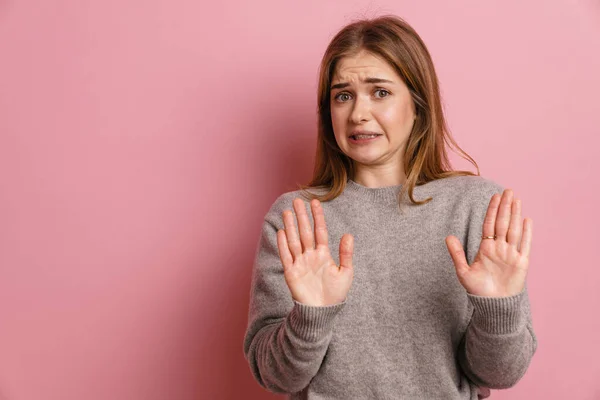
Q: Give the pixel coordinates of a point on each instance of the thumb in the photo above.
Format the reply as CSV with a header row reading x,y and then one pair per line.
x,y
458,255
346,250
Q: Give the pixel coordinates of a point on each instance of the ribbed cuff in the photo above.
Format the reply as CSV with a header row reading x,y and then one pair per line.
x,y
311,323
497,315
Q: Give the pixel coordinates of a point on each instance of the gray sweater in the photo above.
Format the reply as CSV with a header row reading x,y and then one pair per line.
x,y
407,329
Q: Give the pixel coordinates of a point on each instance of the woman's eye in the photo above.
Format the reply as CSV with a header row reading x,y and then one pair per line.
x,y
339,96
383,90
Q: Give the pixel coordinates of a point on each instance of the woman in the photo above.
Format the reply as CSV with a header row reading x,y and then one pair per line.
x,y
429,300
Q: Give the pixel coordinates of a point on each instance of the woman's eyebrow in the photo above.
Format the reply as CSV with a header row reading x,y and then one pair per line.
x,y
366,80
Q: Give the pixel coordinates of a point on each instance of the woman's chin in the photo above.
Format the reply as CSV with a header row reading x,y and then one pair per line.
x,y
364,155
364,159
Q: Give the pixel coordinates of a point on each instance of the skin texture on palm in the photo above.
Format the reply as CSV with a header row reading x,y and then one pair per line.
x,y
309,270
500,267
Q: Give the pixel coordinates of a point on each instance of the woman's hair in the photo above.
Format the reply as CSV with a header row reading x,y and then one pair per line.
x,y
425,157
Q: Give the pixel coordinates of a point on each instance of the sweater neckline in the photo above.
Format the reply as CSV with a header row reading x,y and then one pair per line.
x,y
385,193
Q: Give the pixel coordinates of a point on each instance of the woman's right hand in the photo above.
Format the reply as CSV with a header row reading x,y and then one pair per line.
x,y
311,274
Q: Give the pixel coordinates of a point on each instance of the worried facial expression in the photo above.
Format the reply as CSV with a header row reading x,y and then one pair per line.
x,y
368,95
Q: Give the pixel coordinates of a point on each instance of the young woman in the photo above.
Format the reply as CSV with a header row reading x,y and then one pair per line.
x,y
429,297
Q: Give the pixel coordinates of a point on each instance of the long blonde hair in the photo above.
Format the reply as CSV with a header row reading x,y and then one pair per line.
x,y
425,157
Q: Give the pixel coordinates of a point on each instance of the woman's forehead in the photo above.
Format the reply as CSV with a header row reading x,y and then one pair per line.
x,y
355,69
363,75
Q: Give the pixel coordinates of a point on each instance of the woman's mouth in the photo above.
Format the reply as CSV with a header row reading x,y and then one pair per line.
x,y
361,139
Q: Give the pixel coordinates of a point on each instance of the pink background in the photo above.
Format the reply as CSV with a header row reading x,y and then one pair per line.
x,y
141,143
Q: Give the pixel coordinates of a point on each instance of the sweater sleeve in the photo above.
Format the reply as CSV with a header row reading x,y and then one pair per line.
x,y
499,341
285,341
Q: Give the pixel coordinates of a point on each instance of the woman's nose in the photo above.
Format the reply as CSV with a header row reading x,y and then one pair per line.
x,y
360,111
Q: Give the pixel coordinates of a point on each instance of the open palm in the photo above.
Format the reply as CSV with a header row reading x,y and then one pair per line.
x,y
309,270
500,267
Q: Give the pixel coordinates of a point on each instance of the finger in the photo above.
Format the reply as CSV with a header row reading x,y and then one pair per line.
x,y
284,251
503,217
346,250
306,233
516,223
457,253
527,237
291,234
489,222
320,227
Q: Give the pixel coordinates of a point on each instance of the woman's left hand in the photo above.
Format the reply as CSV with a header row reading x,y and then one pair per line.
x,y
500,266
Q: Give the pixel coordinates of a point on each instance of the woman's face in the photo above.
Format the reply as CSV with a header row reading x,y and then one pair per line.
x,y
368,95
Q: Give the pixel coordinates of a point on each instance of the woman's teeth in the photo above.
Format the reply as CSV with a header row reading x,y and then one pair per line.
x,y
364,136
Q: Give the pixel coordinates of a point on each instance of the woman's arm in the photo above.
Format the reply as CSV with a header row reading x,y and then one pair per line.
x,y
285,341
499,342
